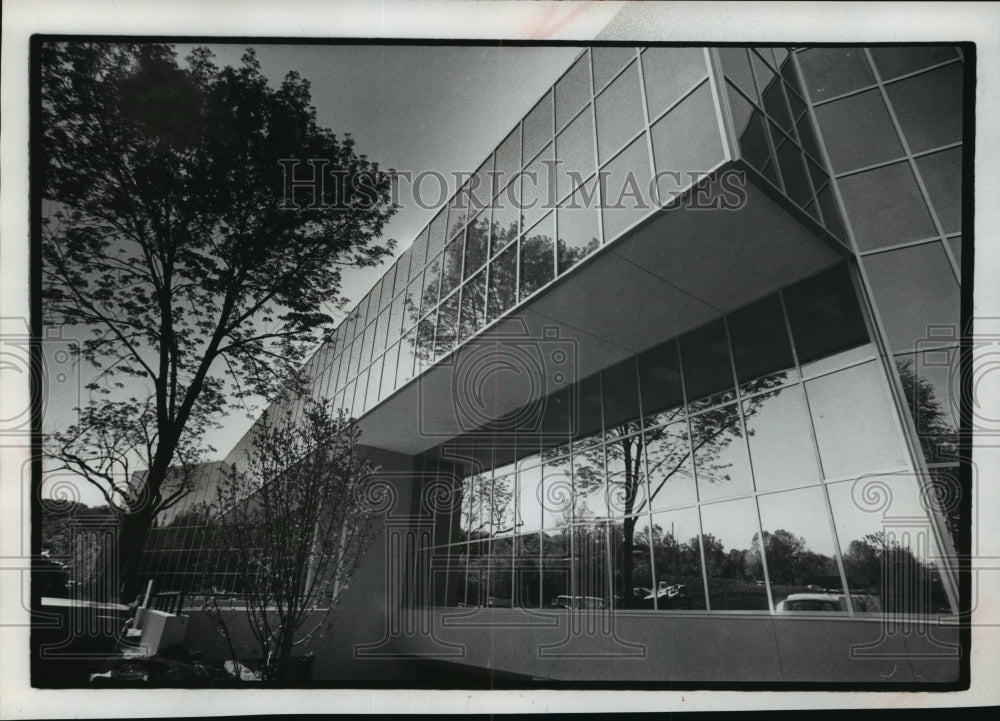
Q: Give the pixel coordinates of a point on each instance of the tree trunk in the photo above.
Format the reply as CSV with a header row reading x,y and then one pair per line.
x,y
628,529
131,539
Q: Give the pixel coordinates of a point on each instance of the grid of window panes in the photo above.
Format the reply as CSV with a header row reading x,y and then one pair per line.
x,y
901,192
774,130
654,481
554,191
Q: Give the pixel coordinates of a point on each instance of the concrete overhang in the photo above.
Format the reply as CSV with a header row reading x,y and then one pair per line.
x,y
678,269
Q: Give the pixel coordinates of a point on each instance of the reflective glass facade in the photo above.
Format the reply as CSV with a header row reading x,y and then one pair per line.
x,y
744,455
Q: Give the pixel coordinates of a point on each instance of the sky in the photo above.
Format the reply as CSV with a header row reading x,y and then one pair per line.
x,y
408,107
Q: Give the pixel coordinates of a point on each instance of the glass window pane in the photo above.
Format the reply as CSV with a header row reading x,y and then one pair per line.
x,y
500,506
537,261
776,106
579,228
477,240
885,560
389,373
900,60
807,135
413,297
589,486
575,152
932,393
791,161
619,114
956,248
502,284
458,213
529,497
418,254
537,191
749,128
830,72
473,306
451,274
929,107
677,558
736,67
527,571
631,567
620,386
914,288
573,91
708,372
782,449
591,573
668,461
800,550
669,73
402,273
832,217
860,116
824,315
625,189
481,186
538,128
885,207
626,473
396,318
676,149
942,176
425,342
557,493
760,344
447,325
855,424
608,61
407,357
432,285
508,157
436,233
587,431
660,384
506,215
731,544
721,463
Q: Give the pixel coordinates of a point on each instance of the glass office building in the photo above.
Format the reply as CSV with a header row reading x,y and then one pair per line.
x,y
674,371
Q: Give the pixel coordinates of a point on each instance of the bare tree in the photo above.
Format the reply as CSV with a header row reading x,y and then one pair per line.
x,y
294,525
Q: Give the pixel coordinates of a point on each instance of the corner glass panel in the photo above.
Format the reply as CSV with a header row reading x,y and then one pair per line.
x,y
791,161
668,462
830,72
855,424
932,393
915,288
669,73
750,130
929,107
677,558
721,463
942,175
782,448
824,314
573,91
890,563
708,371
800,551
579,227
619,114
885,207
859,116
732,551
537,256
895,61
736,67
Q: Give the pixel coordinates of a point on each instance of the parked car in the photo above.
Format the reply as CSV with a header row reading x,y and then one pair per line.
x,y
577,602
671,595
828,602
